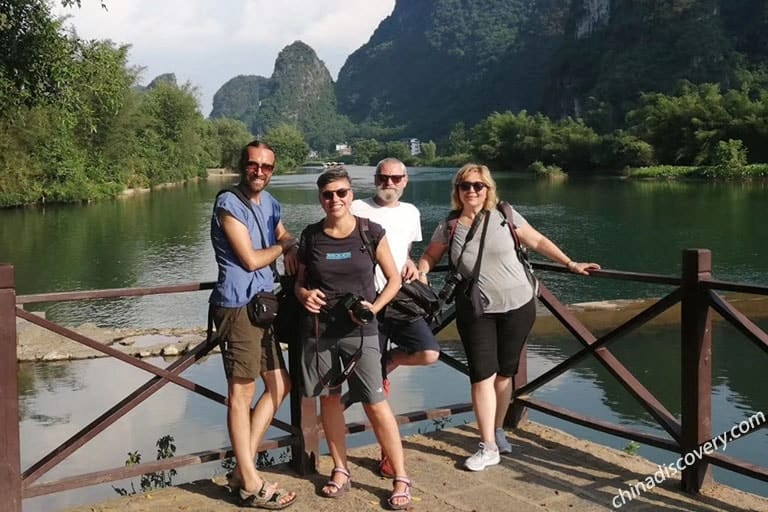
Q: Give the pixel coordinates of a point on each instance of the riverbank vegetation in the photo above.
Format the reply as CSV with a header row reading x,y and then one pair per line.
x,y
75,126
698,132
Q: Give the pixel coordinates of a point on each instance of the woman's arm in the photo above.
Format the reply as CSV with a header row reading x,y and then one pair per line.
x,y
388,268
291,243
530,237
312,300
430,258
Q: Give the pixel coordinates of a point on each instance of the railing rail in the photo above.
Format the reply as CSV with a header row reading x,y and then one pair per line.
x,y
695,290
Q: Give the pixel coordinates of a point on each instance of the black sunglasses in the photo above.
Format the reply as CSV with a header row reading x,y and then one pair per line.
x,y
255,166
328,194
477,186
394,178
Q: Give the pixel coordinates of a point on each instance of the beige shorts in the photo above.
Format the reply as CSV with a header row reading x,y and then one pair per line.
x,y
246,350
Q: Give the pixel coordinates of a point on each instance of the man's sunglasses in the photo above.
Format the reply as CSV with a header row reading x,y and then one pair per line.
x,y
465,186
394,178
328,194
255,166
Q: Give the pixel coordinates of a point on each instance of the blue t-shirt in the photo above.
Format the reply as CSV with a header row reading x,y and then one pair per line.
x,y
236,286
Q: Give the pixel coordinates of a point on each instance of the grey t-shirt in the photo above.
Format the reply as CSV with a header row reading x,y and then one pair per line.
x,y
503,283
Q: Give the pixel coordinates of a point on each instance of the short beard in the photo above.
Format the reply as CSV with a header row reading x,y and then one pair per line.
x,y
388,195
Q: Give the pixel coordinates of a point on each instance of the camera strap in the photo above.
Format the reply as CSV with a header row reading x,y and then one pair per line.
x,y
476,270
348,368
470,235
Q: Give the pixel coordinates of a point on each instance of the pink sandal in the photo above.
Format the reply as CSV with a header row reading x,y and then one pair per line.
x,y
340,490
404,494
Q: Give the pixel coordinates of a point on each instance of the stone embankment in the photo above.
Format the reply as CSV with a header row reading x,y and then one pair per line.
x,y
38,344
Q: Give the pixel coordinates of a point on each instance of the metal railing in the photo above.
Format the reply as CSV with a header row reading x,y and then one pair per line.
x,y
695,290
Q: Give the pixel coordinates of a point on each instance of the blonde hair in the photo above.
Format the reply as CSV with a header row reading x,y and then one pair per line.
x,y
491,198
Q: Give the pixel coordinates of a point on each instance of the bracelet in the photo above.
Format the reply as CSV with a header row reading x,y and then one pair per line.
x,y
571,265
422,273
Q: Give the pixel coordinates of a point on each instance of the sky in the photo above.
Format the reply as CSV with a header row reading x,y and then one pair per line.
x,y
207,42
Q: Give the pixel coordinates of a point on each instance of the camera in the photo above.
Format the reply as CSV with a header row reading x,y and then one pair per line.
x,y
449,288
353,303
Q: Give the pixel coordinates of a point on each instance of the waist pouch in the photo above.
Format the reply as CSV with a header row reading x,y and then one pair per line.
x,y
262,309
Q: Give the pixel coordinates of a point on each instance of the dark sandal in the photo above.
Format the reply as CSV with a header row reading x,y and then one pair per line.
x,y
260,499
405,494
340,490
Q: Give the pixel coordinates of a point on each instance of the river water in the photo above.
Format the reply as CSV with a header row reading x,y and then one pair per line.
x,y
162,238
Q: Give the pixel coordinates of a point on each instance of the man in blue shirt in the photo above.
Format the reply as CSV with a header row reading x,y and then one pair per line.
x,y
247,239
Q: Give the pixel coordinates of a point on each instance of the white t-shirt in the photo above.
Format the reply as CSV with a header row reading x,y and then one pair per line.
x,y
402,224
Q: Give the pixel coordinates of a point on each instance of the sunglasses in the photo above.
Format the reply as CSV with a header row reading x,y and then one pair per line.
x,y
328,194
394,178
477,186
255,166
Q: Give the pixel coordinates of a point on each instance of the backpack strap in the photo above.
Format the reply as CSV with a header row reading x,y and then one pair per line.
x,y
365,235
522,253
506,211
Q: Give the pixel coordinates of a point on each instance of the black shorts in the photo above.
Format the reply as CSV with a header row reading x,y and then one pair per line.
x,y
412,337
494,341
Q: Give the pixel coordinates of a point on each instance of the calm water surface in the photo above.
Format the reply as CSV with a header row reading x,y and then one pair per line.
x,y
162,238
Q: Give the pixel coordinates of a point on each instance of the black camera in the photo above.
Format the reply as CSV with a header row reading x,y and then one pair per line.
x,y
449,288
353,303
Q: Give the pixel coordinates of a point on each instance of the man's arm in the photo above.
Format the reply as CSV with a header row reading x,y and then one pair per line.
x,y
238,237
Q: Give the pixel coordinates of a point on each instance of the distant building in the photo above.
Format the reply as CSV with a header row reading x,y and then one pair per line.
x,y
413,144
343,149
313,153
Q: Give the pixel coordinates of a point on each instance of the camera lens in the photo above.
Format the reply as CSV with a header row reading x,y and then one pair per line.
x,y
362,313
354,304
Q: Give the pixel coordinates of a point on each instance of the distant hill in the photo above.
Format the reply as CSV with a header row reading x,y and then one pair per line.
x,y
433,63
300,93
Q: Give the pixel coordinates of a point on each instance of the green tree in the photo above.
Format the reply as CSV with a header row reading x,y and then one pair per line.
x,y
458,141
364,151
290,147
428,151
231,136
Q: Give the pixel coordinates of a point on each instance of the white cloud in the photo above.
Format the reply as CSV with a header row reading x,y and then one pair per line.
x,y
207,43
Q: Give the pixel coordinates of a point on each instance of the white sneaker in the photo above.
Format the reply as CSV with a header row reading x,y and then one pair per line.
x,y
501,441
483,458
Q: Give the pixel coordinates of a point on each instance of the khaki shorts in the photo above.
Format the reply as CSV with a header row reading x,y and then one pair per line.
x,y
246,350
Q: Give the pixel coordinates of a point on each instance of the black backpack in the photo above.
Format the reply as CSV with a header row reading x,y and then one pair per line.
x,y
414,300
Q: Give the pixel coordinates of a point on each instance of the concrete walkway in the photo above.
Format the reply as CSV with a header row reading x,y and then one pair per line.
x,y
548,471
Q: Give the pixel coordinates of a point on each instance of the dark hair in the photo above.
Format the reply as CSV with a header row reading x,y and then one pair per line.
x,y
332,175
244,153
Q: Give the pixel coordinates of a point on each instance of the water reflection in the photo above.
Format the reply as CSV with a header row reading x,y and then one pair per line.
x,y
162,238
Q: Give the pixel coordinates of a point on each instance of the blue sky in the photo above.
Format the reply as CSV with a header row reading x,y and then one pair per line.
x,y
207,42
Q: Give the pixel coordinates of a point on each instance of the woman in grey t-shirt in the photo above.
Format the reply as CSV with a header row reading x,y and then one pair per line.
x,y
494,336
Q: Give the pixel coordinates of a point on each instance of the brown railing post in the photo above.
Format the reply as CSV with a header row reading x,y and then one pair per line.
x,y
10,451
696,369
303,415
517,412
